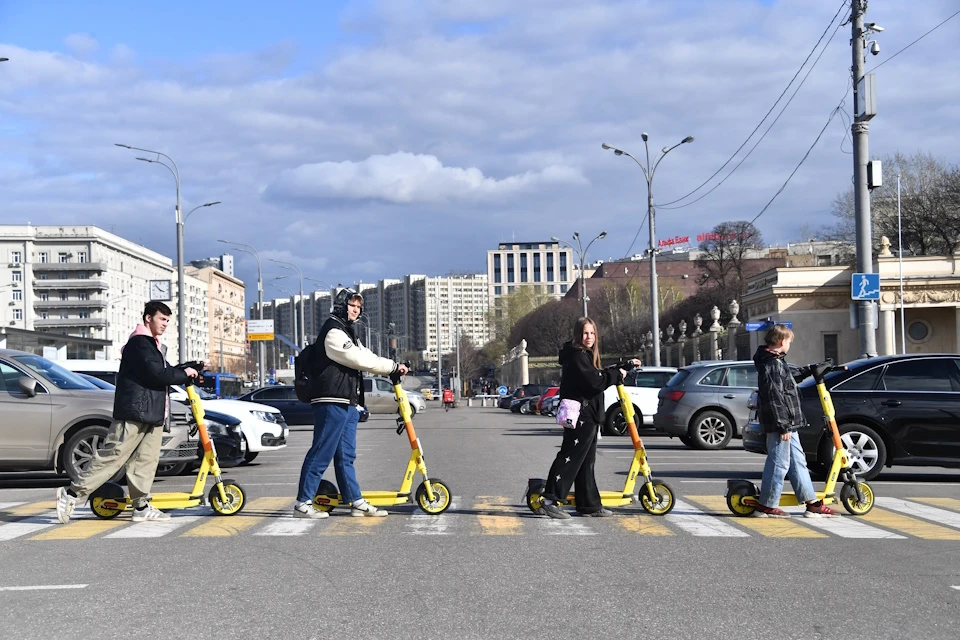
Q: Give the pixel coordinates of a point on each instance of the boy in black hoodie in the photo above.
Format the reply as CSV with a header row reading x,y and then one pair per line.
x,y
780,415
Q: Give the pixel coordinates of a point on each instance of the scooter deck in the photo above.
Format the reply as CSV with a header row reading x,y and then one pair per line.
x,y
376,498
174,500
607,499
789,498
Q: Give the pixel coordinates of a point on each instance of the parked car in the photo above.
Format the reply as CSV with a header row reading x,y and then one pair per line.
x,y
549,393
263,426
378,397
705,403
283,398
525,405
505,401
642,384
55,420
902,409
225,434
549,406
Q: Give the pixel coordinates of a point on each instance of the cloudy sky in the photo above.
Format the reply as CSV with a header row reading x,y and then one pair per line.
x,y
371,139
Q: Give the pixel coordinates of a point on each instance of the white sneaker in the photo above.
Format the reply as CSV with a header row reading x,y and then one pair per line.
x,y
65,505
366,509
149,514
307,510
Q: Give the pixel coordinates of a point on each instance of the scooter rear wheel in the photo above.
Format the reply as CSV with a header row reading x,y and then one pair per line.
x,y
534,497
236,499
664,502
736,505
329,493
108,492
441,494
848,497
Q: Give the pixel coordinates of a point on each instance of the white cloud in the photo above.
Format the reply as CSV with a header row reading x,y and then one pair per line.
x,y
81,44
407,178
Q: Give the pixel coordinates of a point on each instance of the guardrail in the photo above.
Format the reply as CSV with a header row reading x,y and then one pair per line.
x,y
483,399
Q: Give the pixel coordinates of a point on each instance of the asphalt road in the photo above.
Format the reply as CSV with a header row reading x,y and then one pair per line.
x,y
487,568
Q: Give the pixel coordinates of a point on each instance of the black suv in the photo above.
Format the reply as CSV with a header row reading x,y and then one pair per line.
x,y
902,409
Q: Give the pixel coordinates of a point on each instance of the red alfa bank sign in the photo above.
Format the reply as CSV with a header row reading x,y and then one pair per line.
x,y
709,236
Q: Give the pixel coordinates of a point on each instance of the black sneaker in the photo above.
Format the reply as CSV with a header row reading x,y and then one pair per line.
x,y
554,511
602,513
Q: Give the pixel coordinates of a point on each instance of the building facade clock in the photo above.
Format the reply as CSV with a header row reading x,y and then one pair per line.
x,y
161,290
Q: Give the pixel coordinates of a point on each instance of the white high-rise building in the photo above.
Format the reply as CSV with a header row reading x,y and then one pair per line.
x,y
547,266
84,282
446,306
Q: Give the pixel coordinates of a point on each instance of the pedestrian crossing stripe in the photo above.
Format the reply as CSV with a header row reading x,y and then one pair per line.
x,y
699,516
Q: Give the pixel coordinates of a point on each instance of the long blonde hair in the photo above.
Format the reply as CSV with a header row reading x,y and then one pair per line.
x,y
578,339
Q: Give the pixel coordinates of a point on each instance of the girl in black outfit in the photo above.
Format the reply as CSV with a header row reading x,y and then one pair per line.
x,y
584,381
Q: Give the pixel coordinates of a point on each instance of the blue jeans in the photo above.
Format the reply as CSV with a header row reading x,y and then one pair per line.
x,y
334,439
785,459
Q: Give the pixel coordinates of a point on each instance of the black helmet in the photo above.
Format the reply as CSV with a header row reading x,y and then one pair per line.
x,y
340,302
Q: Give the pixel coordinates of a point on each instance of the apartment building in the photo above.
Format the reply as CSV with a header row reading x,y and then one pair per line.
x,y
547,266
225,319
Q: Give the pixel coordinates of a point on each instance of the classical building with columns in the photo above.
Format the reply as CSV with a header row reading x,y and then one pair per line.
x,y
817,301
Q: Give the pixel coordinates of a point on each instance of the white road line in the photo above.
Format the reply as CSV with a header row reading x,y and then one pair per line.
x,y
9,505
847,527
155,529
26,526
942,516
956,586
287,525
425,524
46,587
698,523
572,527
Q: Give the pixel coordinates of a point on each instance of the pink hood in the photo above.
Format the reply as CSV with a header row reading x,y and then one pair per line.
x,y
141,330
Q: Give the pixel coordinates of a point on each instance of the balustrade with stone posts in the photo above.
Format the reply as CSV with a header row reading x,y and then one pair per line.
x,y
718,342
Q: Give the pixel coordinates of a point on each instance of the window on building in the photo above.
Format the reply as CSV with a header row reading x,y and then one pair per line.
x,y
563,266
63,256
43,276
44,296
523,267
43,315
831,346
510,277
64,315
510,289
824,260
498,291
16,257
550,277
64,296
536,267
18,276
18,314
81,256
563,288
43,257
18,294
497,275
84,314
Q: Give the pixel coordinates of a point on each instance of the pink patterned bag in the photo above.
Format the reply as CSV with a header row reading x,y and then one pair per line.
x,y
568,414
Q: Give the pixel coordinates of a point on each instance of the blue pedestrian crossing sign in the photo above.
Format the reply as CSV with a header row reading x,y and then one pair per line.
x,y
865,286
502,390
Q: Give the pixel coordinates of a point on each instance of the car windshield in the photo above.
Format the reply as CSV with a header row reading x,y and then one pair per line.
x,y
97,382
53,372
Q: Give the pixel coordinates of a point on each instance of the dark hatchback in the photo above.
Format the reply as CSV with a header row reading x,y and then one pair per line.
x,y
284,398
902,409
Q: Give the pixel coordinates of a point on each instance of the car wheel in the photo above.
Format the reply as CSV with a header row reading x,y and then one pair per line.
x,y
687,440
171,468
525,408
865,450
710,430
81,450
413,411
616,424
250,456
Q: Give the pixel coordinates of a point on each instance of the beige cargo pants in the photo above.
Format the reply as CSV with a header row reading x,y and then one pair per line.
x,y
129,443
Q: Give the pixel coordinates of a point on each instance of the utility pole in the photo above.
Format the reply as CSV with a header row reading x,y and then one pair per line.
x,y
861,193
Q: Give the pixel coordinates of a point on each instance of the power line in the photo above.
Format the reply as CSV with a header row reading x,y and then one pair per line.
x,y
914,42
630,248
762,120
769,128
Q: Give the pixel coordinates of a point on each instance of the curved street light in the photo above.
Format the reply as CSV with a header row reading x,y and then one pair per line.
x,y
581,256
209,204
648,172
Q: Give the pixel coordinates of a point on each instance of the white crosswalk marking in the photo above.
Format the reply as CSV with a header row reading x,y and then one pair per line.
x,y
425,524
26,526
287,525
942,516
848,527
572,527
698,523
155,529
8,505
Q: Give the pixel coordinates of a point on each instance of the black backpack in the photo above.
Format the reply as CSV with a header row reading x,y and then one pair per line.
x,y
303,372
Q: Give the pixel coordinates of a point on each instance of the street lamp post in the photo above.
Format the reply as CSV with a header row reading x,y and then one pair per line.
x,y
293,267
648,173
581,257
239,246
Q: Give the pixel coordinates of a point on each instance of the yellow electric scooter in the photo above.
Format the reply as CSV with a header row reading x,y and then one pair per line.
x,y
432,496
655,497
856,496
226,497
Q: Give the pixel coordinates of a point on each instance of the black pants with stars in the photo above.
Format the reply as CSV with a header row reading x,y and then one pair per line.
x,y
574,465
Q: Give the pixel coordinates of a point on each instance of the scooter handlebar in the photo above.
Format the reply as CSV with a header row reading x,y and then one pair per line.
x,y
396,375
820,369
198,366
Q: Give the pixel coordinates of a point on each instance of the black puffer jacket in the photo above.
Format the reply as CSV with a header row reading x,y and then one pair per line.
x,y
583,382
778,400
143,382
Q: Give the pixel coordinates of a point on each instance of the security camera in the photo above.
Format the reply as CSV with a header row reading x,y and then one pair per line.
x,y
873,26
874,47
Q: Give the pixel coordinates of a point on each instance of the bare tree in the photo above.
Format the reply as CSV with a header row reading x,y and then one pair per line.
x,y
547,327
724,253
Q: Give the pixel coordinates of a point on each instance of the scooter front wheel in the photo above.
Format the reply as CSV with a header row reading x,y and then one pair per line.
x,y
327,495
108,493
441,497
234,503
848,497
534,497
664,499
738,507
